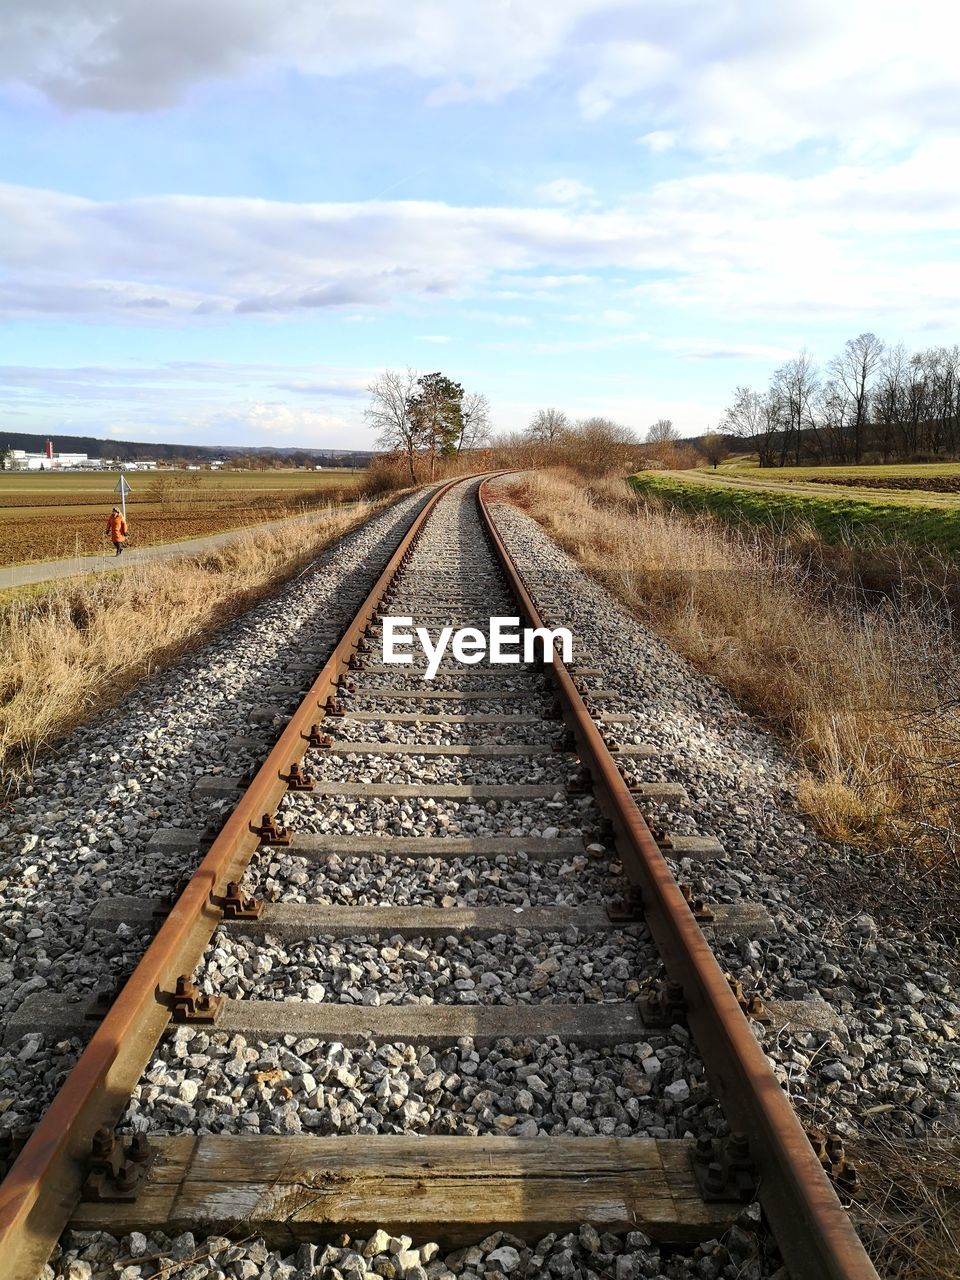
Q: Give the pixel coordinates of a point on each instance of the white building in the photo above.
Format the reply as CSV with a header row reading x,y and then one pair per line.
x,y
20,460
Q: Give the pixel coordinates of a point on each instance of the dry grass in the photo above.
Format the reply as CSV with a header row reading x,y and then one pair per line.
x,y
72,647
869,700
908,1210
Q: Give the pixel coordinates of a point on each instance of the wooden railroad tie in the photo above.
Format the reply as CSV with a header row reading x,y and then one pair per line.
x,y
449,1189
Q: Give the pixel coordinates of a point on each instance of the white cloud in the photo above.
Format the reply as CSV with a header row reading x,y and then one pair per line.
x,y
628,68
658,140
856,240
181,400
565,191
604,342
704,349
745,75
279,418
433,337
265,420
868,75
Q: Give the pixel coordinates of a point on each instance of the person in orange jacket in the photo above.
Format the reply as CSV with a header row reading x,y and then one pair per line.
x,y
117,529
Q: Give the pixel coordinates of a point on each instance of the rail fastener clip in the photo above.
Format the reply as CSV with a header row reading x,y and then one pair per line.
x,y
118,1166
237,907
188,1004
299,780
272,832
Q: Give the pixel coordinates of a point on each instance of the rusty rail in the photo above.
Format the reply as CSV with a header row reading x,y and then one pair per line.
x,y
814,1232
43,1185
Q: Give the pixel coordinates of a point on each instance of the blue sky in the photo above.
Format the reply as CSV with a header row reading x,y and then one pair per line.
x,y
219,222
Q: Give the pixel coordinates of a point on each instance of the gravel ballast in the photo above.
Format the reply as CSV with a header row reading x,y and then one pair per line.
x,y
586,1254
80,830
425,816
506,881
895,1062
212,1082
519,967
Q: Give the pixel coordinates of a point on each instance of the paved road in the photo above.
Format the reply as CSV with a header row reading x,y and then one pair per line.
x,y
23,575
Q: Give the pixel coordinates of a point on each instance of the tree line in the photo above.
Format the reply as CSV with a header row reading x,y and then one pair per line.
x,y
426,423
426,417
869,401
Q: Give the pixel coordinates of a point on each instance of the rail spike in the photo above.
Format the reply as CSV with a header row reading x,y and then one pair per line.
x,y
723,1168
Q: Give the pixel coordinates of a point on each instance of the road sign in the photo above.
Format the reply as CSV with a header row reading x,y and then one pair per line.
x,y
123,489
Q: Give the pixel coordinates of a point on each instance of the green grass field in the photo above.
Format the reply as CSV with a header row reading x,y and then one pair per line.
x,y
921,520
907,471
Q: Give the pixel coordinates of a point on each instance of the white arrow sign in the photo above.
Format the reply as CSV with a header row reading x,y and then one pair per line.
x,y
123,489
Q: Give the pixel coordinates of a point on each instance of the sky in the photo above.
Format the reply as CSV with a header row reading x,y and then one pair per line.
x,y
220,221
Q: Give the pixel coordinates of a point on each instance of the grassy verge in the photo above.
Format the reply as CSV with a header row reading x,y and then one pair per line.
x,y
72,647
899,475
869,702
836,519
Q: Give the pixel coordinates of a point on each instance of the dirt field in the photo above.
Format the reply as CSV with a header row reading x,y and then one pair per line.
x,y
50,516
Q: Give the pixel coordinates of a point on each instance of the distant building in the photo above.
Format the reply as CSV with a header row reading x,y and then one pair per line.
x,y
20,460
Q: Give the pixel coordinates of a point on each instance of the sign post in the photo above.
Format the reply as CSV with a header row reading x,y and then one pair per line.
x,y
123,489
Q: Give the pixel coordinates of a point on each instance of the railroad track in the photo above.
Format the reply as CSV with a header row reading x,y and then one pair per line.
x,y
606,968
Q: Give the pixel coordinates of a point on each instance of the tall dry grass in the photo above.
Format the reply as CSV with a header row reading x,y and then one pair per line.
x,y
908,1208
71,647
867,697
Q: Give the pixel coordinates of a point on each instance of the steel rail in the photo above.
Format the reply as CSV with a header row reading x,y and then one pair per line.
x,y
44,1184
815,1235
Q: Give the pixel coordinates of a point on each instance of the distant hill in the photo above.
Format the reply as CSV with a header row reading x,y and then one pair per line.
x,y
131,451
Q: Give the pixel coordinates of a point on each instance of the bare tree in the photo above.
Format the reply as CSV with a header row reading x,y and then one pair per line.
x,y
548,425
835,409
941,367
662,432
745,415
475,419
876,400
854,370
757,417
891,402
161,488
795,384
390,397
